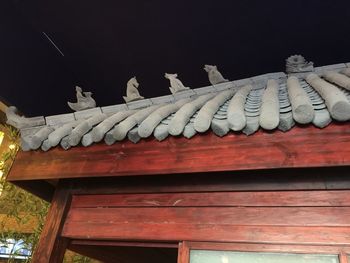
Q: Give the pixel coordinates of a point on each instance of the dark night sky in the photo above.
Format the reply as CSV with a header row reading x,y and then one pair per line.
x,y
107,42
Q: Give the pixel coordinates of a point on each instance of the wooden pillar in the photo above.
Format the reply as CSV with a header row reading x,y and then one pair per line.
x,y
183,253
343,257
52,246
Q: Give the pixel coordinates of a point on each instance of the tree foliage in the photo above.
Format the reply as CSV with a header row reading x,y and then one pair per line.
x,y
21,207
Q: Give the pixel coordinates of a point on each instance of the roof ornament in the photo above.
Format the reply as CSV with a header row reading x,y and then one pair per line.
x,y
132,92
215,77
175,84
14,119
297,63
84,101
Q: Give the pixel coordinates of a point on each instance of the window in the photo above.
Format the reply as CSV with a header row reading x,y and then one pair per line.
x,y
213,252
14,249
207,256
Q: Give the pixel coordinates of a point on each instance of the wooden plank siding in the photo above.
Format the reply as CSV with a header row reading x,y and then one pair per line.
x,y
273,188
217,199
299,217
300,147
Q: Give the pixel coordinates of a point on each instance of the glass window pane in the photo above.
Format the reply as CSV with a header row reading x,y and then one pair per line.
x,y
207,256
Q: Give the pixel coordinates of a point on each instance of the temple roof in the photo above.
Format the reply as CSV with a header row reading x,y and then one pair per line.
x,y
303,96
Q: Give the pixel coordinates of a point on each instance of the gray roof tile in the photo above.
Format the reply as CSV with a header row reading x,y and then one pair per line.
x,y
85,114
204,90
216,110
139,104
225,86
184,94
242,82
56,120
114,108
163,99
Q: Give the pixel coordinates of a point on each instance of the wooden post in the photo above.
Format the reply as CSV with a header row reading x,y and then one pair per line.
x,y
183,253
343,257
52,246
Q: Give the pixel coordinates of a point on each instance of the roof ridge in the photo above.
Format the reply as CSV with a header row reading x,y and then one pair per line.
x,y
301,97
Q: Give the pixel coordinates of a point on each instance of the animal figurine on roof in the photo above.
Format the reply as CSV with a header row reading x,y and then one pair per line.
x,y
84,100
175,84
215,77
132,92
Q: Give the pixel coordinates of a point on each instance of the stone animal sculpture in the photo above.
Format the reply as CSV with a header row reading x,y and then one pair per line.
x,y
132,92
84,101
215,77
298,63
175,84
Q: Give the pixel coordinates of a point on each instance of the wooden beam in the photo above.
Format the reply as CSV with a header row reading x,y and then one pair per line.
x,y
300,147
217,199
331,178
90,242
207,216
344,257
52,245
273,248
211,233
115,254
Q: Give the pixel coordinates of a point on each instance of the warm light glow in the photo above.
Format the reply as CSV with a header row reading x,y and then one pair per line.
x,y
1,174
12,146
2,135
